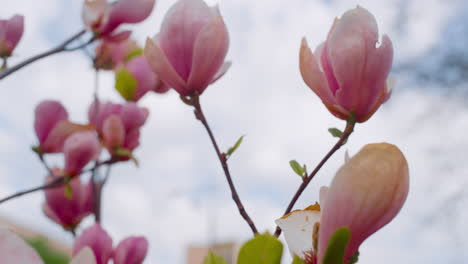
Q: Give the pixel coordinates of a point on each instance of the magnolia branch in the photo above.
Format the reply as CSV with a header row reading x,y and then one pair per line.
x,y
57,182
64,46
343,138
222,158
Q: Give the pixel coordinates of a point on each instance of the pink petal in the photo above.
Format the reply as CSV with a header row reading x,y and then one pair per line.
x,y
313,76
179,30
132,139
133,116
161,66
63,210
145,77
98,241
131,250
224,68
47,115
79,149
367,192
58,135
350,42
210,49
113,132
14,250
14,31
98,112
128,11
379,63
120,36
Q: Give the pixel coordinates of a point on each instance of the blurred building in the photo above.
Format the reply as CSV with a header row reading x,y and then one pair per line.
x,y
228,251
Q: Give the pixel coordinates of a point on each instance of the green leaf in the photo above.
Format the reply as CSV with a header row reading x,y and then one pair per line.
x,y
298,169
125,84
335,132
337,246
263,249
134,53
68,191
232,149
212,258
297,260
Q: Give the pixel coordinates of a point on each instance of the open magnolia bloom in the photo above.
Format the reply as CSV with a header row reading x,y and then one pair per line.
x,y
367,192
14,250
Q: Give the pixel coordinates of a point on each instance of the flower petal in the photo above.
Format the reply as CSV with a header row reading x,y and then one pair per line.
x,y
128,11
312,74
14,31
131,250
351,41
209,52
47,114
14,250
161,66
367,192
179,30
224,68
298,229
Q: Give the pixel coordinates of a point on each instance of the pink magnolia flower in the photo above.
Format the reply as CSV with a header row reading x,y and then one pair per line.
x,y
143,79
109,54
102,17
79,149
118,125
68,212
131,250
367,192
11,31
188,54
14,250
52,126
349,70
97,239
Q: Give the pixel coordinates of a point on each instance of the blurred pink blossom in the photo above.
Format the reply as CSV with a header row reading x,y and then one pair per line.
x,y
188,53
102,17
68,212
11,31
80,149
131,250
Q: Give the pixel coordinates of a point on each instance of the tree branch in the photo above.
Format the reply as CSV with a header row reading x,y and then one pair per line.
x,y
62,47
344,137
222,159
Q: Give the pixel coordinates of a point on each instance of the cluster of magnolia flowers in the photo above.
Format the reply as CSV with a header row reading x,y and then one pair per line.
x,y
349,73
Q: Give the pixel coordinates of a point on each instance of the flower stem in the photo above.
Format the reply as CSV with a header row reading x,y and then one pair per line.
x,y
222,159
344,137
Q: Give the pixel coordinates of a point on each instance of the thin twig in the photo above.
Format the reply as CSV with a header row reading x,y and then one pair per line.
x,y
222,158
62,47
346,133
59,181
55,183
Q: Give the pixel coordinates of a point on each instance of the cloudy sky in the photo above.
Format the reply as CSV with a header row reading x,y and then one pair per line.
x,y
178,196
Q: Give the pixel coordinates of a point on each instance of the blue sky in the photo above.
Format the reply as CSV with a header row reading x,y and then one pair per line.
x,y
179,188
